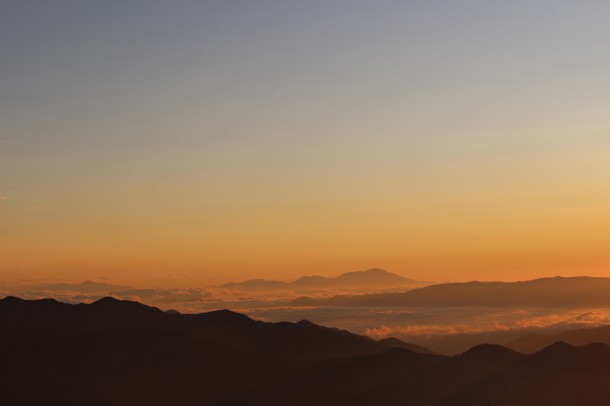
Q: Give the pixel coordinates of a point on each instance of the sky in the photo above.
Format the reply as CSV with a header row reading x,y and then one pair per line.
x,y
200,141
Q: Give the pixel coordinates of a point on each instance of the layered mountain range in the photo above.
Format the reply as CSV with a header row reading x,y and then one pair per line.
x,y
374,277
570,292
121,352
535,342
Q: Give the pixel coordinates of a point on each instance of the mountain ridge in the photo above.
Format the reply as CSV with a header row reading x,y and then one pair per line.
x,y
290,340
129,353
578,337
374,277
550,292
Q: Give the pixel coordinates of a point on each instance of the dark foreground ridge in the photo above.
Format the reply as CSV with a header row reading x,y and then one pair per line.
x,y
114,352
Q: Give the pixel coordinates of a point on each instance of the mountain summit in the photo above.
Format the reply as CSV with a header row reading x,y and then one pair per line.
x,y
373,277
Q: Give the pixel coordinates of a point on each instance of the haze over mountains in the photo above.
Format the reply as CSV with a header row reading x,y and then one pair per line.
x,y
544,292
84,287
448,318
370,278
121,352
245,296
535,342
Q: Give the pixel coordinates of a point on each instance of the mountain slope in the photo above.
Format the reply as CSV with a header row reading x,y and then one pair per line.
x,y
544,292
297,341
558,375
535,342
125,353
393,342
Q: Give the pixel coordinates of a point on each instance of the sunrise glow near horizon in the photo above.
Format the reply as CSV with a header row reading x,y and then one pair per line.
x,y
209,141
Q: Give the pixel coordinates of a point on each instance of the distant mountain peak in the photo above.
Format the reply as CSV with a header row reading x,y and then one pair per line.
x,y
484,350
107,300
374,275
226,315
393,342
559,346
376,270
12,299
113,304
367,278
370,271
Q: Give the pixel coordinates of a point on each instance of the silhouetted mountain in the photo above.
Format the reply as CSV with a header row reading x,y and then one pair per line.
x,y
485,375
545,292
370,278
297,341
558,375
256,284
535,342
395,377
393,342
114,352
84,287
443,378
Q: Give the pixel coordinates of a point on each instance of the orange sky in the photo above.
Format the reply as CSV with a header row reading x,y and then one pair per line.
x,y
453,225
208,143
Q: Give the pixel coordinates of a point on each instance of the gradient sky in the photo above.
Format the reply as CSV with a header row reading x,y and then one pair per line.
x,y
214,140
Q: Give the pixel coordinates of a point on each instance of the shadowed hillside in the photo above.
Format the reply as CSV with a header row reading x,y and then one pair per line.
x,y
535,342
557,375
302,340
114,352
84,287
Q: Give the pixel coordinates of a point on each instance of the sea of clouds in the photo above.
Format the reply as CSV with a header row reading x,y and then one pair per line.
x,y
444,329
